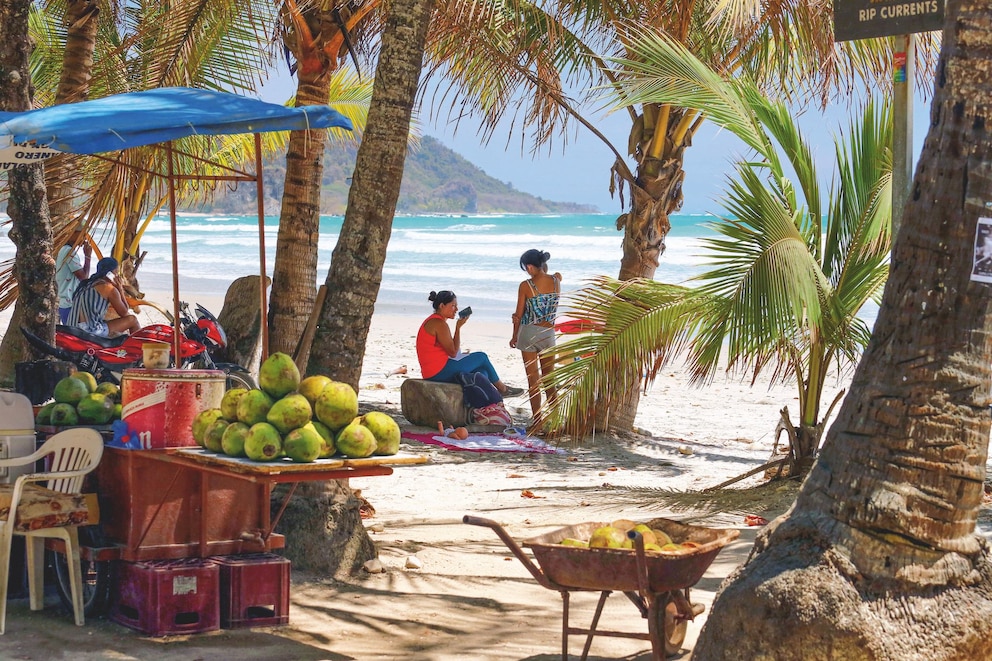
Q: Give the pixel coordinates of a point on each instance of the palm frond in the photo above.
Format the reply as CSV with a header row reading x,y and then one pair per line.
x,y
781,290
666,71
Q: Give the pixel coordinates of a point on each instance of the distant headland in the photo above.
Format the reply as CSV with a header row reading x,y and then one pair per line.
x,y
436,180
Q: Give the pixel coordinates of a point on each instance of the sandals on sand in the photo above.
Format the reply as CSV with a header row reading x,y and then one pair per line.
x,y
513,391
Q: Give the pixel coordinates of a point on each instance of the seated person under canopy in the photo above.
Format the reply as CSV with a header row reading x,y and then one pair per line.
x,y
95,296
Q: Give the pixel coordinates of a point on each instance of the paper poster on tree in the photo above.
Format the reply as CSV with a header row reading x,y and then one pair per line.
x,y
981,271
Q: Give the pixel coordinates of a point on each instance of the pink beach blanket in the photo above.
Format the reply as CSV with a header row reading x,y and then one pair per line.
x,y
486,443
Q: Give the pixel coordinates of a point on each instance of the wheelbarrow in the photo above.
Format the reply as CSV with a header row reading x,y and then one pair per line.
x,y
656,583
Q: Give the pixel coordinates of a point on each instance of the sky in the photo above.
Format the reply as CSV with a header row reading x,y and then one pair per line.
x,y
580,171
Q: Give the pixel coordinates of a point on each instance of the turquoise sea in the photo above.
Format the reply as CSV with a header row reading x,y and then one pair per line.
x,y
476,256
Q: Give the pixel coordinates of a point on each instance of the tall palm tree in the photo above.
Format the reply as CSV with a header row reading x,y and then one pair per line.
x,y
878,557
319,36
784,288
80,25
368,221
142,45
31,231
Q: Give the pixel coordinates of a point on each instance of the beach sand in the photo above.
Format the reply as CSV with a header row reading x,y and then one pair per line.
x,y
471,599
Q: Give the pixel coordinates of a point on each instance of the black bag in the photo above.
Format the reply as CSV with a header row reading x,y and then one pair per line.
x,y
478,390
36,379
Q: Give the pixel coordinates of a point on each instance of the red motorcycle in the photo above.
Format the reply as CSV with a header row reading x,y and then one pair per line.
x,y
107,357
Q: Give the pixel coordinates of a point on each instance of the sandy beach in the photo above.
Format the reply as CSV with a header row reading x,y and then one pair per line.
x,y
470,598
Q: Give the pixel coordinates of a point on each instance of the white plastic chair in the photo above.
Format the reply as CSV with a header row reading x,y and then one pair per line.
x,y
74,453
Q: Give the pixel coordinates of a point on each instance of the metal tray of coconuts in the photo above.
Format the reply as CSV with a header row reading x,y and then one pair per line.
x,y
653,564
601,555
289,424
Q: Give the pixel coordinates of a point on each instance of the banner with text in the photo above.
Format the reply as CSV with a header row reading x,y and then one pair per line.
x,y
14,154
865,19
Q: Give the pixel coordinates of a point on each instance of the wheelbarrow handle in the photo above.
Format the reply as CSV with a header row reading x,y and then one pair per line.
x,y
511,544
641,563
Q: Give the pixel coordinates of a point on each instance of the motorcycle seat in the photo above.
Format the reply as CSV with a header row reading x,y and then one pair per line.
x,y
106,342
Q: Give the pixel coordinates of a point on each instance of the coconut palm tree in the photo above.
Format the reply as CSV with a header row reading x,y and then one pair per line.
x,y
105,49
80,21
319,36
368,221
784,287
31,231
879,558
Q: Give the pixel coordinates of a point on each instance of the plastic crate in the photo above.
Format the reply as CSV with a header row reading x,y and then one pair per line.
x,y
163,597
254,590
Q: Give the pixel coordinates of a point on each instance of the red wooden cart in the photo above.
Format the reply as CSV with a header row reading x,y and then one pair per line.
x,y
178,503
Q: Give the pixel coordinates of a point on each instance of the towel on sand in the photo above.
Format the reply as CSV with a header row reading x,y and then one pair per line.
x,y
486,443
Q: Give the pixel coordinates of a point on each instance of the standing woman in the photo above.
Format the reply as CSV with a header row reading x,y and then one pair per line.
x,y
70,270
439,352
534,321
95,296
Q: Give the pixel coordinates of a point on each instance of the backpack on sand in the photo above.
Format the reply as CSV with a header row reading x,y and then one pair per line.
x,y
483,399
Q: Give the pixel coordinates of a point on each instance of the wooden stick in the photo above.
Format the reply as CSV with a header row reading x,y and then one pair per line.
x,y
302,355
770,464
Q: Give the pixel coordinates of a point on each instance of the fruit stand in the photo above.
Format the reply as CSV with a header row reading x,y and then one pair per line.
x,y
169,517
189,502
186,521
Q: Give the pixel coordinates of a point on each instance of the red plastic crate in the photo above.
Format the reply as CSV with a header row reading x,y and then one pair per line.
x,y
254,590
163,597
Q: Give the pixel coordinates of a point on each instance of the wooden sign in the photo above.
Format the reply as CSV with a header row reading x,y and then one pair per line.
x,y
865,19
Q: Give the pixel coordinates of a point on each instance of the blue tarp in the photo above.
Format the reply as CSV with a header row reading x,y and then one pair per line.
x,y
136,119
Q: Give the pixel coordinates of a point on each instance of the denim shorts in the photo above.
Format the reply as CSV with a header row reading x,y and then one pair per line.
x,y
535,339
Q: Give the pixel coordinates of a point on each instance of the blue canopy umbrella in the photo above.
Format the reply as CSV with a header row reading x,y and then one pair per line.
x,y
144,118
138,119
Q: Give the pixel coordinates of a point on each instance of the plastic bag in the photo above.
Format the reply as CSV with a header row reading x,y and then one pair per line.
x,y
493,414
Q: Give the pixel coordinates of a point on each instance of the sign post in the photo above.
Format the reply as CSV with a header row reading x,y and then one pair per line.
x,y
904,68
867,19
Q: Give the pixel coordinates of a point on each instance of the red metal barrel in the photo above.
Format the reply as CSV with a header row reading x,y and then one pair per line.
x,y
160,404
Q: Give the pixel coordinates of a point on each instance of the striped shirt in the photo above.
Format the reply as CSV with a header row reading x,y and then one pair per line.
x,y
89,309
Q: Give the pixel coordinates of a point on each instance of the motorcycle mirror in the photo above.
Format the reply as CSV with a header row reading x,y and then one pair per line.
x,y
204,313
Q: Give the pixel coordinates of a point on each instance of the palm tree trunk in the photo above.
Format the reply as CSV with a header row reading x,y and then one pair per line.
x,y
356,264
74,86
294,276
879,559
655,195
31,230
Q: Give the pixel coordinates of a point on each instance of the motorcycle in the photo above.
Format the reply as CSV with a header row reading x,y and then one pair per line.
x,y
107,357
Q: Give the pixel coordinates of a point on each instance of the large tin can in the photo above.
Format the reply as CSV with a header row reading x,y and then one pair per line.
x,y
159,405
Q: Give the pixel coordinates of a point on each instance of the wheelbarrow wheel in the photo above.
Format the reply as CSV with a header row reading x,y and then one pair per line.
x,y
97,575
674,627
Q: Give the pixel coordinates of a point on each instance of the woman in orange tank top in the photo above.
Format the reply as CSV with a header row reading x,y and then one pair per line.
x,y
438,350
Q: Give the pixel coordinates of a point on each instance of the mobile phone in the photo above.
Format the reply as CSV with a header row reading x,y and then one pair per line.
x,y
464,312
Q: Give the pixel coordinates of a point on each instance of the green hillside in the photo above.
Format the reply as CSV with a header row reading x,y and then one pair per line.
x,y
435,180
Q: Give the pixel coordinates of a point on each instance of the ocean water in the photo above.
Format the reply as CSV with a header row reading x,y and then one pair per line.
x,y
477,257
